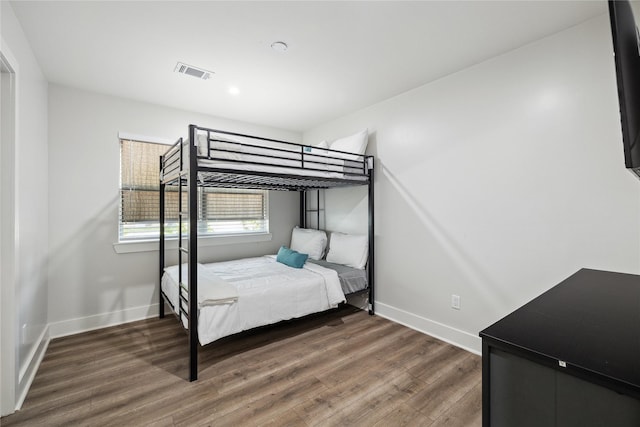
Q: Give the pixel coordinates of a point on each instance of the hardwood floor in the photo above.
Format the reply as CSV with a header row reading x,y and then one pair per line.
x,y
342,367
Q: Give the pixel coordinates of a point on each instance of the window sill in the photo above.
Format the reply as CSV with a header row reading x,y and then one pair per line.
x,y
153,245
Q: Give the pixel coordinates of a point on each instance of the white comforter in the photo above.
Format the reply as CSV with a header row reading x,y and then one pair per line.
x,y
212,290
267,292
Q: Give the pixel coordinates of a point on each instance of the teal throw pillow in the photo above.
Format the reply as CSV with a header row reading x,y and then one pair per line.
x,y
291,258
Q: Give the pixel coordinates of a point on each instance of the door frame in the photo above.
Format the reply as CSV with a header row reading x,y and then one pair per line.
x,y
8,231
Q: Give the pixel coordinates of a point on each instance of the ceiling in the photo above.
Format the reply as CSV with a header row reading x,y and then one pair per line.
x,y
342,55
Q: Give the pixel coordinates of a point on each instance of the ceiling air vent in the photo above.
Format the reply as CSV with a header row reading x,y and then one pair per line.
x,y
193,71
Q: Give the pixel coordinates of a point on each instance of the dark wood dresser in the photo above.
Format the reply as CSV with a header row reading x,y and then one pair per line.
x,y
570,357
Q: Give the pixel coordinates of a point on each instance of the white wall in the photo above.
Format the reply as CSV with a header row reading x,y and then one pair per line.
x,y
31,206
90,284
497,182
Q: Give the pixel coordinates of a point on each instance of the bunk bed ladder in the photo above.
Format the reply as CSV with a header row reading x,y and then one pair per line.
x,y
162,220
188,304
161,242
187,291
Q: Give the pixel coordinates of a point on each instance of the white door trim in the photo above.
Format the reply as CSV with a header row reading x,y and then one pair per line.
x,y
8,223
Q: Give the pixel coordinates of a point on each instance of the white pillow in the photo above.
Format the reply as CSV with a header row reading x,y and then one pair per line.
x,y
348,249
356,143
308,241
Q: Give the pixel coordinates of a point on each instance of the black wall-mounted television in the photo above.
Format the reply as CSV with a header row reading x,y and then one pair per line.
x,y
626,47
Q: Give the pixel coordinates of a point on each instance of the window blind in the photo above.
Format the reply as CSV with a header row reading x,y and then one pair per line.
x,y
220,210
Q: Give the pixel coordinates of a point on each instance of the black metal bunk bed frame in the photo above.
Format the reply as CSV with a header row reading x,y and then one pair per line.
x,y
174,171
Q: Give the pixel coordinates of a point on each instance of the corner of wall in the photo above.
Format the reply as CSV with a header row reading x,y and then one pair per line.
x,y
28,370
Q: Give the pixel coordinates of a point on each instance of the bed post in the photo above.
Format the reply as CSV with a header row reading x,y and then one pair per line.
x,y
318,209
370,166
161,248
192,188
303,208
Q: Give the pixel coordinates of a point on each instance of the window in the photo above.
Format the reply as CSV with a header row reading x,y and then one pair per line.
x,y
221,211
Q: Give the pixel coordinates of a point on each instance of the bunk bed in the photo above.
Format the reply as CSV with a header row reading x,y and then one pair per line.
x,y
222,159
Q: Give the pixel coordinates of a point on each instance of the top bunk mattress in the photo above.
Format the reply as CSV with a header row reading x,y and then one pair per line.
x,y
240,153
221,153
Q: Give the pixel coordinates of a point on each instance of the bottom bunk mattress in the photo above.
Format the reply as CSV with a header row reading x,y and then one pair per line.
x,y
235,296
351,279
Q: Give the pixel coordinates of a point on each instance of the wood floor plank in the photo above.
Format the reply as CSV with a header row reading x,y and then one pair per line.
x,y
272,406
465,412
158,410
440,363
436,397
404,387
377,401
341,367
402,415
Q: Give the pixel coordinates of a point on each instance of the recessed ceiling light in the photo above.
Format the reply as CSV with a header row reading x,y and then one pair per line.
x,y
279,46
234,90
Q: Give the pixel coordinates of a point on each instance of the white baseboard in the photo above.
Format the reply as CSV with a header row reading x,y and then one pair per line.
x,y
89,323
438,330
69,327
28,371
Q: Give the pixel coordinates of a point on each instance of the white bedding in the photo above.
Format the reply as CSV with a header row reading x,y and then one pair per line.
x,y
267,292
212,290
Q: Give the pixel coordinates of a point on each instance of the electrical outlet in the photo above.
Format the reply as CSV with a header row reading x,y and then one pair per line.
x,y
455,301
